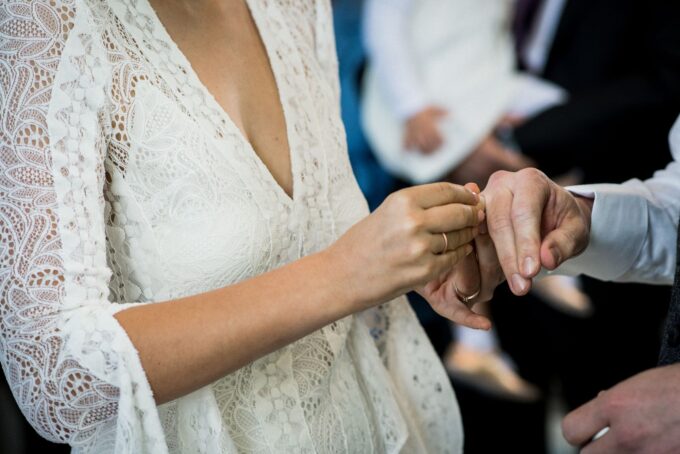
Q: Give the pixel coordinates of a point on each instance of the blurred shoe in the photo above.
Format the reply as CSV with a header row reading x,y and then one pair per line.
x,y
488,372
564,294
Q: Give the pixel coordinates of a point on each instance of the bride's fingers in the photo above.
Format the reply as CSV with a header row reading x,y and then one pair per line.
x,y
443,263
453,240
453,216
462,315
438,194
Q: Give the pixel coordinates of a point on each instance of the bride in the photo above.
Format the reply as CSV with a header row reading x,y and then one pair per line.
x,y
186,262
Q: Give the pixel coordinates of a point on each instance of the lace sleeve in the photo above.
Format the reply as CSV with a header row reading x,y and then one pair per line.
x,y
71,367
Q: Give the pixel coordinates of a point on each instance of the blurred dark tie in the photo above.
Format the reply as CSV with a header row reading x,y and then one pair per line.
x,y
523,22
670,346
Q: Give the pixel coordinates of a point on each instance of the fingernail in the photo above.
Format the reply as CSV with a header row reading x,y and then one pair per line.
x,y
481,216
474,194
519,283
556,255
468,250
529,267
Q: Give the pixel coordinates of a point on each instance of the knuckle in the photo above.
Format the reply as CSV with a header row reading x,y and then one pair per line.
x,y
532,174
611,402
498,177
445,188
413,223
428,270
401,199
419,248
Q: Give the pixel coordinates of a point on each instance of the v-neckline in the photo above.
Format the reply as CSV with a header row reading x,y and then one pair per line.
x,y
288,199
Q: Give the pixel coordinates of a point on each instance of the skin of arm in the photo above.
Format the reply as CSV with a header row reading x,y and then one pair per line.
x,y
218,332
396,249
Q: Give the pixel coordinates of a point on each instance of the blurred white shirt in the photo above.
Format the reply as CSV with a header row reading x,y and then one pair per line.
x,y
387,40
455,54
385,26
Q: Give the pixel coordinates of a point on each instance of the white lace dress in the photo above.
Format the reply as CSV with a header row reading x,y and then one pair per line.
x,y
123,182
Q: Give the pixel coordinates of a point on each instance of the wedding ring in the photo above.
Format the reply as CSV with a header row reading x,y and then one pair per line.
x,y
446,244
467,300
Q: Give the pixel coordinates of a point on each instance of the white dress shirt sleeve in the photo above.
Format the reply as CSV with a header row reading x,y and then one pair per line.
x,y
634,227
388,45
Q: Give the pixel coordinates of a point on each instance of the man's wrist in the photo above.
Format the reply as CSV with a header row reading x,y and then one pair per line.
x,y
585,204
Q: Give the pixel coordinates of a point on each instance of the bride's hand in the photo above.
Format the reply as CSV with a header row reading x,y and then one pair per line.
x,y
446,291
400,247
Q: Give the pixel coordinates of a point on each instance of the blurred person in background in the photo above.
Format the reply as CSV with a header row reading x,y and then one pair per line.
x,y
150,195
443,76
375,182
619,64
616,232
588,74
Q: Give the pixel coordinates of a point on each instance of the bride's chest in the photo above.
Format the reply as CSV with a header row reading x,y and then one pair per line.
x,y
190,205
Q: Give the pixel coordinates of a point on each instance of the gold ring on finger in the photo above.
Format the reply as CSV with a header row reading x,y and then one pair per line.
x,y
446,244
466,299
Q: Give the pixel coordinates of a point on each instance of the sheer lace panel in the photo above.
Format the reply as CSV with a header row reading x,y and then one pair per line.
x,y
122,182
65,357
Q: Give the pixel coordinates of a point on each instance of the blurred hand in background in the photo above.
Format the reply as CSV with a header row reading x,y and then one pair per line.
x,y
422,131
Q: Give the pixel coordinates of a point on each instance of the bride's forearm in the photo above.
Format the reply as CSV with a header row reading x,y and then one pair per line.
x,y
415,236
188,343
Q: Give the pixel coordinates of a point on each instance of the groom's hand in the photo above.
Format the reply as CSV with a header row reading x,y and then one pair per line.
x,y
642,414
532,222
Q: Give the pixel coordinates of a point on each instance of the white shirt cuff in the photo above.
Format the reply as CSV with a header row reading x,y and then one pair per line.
x,y
617,234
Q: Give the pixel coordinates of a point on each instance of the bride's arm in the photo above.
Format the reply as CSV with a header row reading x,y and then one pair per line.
x,y
188,343
73,366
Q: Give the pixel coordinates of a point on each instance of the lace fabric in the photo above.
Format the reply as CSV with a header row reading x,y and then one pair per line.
x,y
123,182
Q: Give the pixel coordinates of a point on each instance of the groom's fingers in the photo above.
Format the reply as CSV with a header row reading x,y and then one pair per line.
x,y
499,199
467,317
560,244
531,194
567,241
582,424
